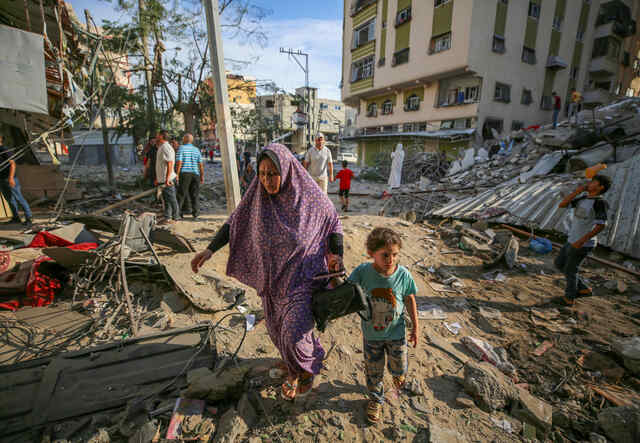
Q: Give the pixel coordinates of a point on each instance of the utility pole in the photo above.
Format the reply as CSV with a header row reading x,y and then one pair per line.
x,y
224,128
103,119
147,66
305,68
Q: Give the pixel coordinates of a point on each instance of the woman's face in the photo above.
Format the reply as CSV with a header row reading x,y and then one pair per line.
x,y
269,176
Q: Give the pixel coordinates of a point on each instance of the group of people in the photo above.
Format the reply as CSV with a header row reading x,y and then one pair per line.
x,y
179,169
575,106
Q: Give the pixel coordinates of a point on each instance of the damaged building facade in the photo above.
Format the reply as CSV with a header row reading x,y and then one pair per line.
x,y
440,72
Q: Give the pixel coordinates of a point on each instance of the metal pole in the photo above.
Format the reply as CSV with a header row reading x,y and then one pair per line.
x,y
306,85
224,128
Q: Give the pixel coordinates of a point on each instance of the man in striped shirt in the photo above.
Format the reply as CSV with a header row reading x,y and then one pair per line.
x,y
190,169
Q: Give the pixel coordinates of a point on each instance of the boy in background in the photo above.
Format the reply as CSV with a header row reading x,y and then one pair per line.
x,y
390,287
589,218
345,176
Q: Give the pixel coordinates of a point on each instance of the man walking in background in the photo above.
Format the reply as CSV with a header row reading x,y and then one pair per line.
x,y
190,170
10,186
319,163
167,176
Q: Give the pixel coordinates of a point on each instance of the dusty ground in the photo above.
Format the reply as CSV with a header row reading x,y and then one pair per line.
x,y
336,410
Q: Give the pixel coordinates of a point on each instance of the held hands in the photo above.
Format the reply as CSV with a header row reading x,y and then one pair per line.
x,y
581,188
334,263
12,182
200,259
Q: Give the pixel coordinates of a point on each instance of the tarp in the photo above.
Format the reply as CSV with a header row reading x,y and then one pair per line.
x,y
22,70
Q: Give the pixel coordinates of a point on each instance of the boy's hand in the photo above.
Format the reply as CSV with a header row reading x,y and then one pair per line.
x,y
413,338
581,188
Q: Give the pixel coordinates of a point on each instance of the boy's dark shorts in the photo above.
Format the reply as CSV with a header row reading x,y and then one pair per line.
x,y
343,193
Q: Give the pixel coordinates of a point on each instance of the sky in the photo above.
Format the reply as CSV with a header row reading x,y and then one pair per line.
x,y
313,26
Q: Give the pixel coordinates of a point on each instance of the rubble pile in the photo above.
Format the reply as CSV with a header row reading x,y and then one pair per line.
x,y
417,165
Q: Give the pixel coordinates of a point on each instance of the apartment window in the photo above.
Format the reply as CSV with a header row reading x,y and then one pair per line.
x,y
270,104
498,44
453,97
516,125
362,69
580,35
446,124
574,73
381,62
502,93
388,129
440,43
407,127
403,16
528,55
324,106
359,5
471,94
372,110
489,124
413,103
364,34
534,10
437,3
462,123
400,57
387,107
527,97
337,107
557,23
422,126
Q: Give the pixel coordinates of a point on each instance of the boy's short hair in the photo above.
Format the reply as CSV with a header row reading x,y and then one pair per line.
x,y
604,181
382,237
345,163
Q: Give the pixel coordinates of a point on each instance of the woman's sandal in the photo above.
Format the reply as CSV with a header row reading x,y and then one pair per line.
x,y
373,411
305,384
289,390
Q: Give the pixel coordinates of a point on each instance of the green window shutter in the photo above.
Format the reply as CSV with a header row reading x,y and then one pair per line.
x,y
549,78
501,19
584,16
403,4
403,36
531,33
560,7
554,47
442,19
577,54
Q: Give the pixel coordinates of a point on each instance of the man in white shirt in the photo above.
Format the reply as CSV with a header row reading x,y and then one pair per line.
x,y
319,163
165,174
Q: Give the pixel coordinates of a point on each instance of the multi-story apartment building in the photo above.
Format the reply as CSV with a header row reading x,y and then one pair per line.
x,y
324,115
441,72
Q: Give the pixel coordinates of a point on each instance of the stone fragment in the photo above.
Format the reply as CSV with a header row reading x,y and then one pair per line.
x,y
533,410
488,386
464,401
230,427
597,438
472,245
621,424
629,350
145,433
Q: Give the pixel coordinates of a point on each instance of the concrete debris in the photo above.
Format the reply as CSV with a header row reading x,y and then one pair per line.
x,y
213,386
230,427
629,350
621,424
616,285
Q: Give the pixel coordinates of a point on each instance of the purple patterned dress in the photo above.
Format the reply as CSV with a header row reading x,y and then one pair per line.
x,y
277,244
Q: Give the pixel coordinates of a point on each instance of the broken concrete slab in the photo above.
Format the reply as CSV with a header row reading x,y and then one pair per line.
x,y
533,410
75,233
629,350
174,303
473,245
215,386
621,424
491,389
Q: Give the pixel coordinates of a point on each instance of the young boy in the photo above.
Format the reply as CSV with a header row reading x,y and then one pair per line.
x,y
589,218
345,176
390,287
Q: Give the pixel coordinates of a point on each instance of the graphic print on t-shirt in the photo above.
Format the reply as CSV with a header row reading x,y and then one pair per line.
x,y
383,306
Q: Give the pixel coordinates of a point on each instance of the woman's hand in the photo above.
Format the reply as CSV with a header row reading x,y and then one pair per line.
x,y
199,260
334,263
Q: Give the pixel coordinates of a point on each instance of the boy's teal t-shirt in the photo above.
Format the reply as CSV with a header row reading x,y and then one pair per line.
x,y
387,300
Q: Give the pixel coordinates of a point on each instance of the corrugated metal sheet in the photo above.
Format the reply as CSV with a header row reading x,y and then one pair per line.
x,y
536,205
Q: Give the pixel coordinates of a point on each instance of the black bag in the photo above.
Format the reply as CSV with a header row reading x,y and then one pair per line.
x,y
347,298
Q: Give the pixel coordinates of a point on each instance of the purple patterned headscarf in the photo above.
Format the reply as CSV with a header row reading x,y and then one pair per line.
x,y
279,242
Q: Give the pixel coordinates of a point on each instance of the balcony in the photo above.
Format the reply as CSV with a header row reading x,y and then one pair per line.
x,y
555,63
615,29
615,18
597,96
603,66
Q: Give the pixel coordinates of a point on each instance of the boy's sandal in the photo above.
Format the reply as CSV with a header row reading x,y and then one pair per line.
x,y
585,292
373,411
305,385
568,301
278,371
289,390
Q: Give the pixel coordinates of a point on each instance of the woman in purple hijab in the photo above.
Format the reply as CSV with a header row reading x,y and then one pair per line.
x,y
284,232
